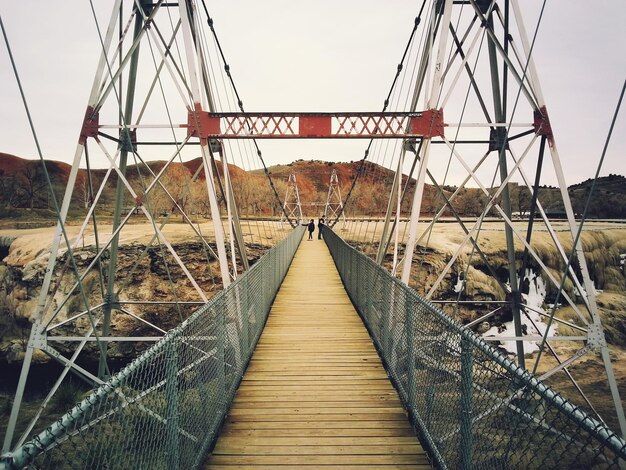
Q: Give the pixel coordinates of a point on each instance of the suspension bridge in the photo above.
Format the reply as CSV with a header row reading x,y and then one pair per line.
x,y
345,351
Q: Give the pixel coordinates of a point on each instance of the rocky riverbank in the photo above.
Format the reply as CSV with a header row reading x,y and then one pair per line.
x,y
157,277
145,273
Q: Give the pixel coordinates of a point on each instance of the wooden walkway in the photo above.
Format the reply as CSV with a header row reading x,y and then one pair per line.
x,y
315,394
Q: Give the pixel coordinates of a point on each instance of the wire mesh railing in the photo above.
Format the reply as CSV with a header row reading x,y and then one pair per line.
x,y
164,409
472,406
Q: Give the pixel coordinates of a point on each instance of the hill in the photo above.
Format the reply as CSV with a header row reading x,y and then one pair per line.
x,y
608,184
23,185
608,199
370,195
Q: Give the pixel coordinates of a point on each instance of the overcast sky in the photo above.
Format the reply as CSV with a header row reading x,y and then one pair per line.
x,y
324,55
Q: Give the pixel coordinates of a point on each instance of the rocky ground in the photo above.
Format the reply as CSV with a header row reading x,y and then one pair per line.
x,y
604,245
24,254
145,273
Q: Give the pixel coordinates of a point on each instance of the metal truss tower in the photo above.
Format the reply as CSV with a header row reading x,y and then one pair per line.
x,y
292,208
153,166
475,68
333,210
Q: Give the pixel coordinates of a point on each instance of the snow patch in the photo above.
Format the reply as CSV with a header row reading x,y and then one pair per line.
x,y
531,319
460,284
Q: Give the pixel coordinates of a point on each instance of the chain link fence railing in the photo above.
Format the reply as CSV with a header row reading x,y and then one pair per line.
x,y
164,410
471,405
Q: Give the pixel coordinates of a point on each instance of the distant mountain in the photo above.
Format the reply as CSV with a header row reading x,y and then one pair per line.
x,y
608,198
609,184
315,174
12,165
22,184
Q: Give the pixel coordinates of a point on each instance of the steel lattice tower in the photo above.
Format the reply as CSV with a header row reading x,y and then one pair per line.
x,y
137,79
477,78
333,210
292,208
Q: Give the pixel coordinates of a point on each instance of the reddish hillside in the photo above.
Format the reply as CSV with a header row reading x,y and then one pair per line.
x,y
370,194
11,165
314,176
22,184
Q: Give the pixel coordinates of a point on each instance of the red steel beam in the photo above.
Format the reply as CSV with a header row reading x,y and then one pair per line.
x,y
542,124
206,125
90,125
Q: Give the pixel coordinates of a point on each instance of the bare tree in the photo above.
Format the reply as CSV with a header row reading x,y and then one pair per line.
x,y
200,197
468,202
9,194
177,182
82,192
32,183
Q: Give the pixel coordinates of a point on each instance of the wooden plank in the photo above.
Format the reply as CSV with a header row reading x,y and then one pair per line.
x,y
315,394
292,386
225,448
334,375
346,459
311,402
274,441
374,417
315,424
305,466
243,409
317,432
318,392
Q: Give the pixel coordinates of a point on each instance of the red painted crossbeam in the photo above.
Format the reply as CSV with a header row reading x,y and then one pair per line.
x,y
315,125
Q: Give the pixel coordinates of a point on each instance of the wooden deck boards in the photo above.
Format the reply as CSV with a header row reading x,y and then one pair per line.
x,y
315,394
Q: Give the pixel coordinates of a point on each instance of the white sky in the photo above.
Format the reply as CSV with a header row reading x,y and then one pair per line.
x,y
288,55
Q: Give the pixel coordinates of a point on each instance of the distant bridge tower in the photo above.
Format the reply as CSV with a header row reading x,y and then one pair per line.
x,y
333,210
292,206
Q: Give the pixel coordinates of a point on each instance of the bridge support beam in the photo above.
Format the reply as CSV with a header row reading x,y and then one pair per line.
x,y
340,125
38,328
574,227
432,102
499,103
120,190
192,65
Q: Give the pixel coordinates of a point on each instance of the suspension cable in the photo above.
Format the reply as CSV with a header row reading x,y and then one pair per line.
x,y
240,105
228,100
582,221
55,203
416,23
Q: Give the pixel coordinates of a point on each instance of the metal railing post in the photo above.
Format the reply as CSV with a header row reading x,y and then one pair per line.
x,y
465,405
385,319
171,394
411,356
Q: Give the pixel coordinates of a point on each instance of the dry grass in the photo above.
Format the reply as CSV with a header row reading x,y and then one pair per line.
x,y
482,286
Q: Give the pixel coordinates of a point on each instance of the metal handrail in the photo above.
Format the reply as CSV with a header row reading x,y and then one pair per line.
x,y
165,408
471,405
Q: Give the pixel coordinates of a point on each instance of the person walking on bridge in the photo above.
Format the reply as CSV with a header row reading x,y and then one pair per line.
x,y
320,225
311,229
